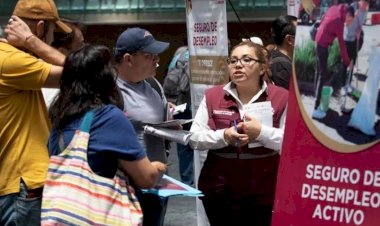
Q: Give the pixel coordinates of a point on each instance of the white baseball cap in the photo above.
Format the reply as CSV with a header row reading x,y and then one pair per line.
x,y
255,39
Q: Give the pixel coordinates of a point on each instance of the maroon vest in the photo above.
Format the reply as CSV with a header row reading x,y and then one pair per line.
x,y
223,110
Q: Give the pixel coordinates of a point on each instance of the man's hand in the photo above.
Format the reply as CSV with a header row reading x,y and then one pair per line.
x,y
17,32
171,110
171,105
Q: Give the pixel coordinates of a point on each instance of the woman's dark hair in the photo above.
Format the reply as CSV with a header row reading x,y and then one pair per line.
x,y
87,82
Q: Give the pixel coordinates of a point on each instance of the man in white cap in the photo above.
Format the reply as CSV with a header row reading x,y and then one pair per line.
x,y
254,39
24,125
136,57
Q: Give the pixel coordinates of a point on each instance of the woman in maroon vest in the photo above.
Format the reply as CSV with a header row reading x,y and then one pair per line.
x,y
241,124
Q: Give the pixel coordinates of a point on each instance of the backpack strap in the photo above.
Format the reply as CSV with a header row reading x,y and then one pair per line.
x,y
84,126
154,84
279,59
86,123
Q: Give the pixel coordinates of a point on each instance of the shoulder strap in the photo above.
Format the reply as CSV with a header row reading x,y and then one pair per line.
x,y
279,59
86,123
61,142
84,126
153,83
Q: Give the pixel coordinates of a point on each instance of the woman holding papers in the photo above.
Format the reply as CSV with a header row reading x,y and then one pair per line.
x,y
242,125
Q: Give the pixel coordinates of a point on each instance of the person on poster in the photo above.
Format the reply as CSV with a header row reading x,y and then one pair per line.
x,y
331,27
239,175
136,59
353,38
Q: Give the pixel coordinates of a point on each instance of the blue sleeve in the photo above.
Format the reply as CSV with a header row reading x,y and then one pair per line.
x,y
112,131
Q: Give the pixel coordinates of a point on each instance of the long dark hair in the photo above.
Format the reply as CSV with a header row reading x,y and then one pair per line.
x,y
87,82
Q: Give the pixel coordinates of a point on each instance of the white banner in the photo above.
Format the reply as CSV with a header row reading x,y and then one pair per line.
x,y
293,7
208,46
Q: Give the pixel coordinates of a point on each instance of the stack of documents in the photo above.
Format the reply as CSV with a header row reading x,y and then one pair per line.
x,y
178,136
179,109
164,130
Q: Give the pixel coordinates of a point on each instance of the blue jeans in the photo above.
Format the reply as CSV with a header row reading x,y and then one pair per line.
x,y
186,164
186,153
18,210
153,207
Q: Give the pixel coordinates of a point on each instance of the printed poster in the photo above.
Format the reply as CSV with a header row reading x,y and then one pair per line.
x,y
208,46
293,7
329,172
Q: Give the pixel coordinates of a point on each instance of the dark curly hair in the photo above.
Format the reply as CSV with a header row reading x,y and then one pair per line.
x,y
87,82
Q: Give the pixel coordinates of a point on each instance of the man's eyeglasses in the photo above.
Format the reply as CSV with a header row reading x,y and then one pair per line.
x,y
245,61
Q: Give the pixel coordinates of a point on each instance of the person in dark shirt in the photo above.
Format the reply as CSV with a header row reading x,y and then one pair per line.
x,y
283,32
330,28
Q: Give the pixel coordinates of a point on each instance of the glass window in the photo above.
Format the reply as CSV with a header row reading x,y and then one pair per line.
x,y
235,3
277,3
136,4
261,2
243,3
62,4
93,5
167,3
77,5
122,4
149,4
108,4
179,3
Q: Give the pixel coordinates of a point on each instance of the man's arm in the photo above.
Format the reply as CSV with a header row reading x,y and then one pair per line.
x,y
52,81
342,46
20,35
44,51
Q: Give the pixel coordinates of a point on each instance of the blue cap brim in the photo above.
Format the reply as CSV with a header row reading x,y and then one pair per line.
x,y
156,47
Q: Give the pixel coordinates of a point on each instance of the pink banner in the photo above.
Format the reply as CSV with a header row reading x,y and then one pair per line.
x,y
319,186
329,172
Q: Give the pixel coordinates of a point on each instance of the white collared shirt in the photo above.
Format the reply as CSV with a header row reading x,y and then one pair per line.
x,y
204,138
